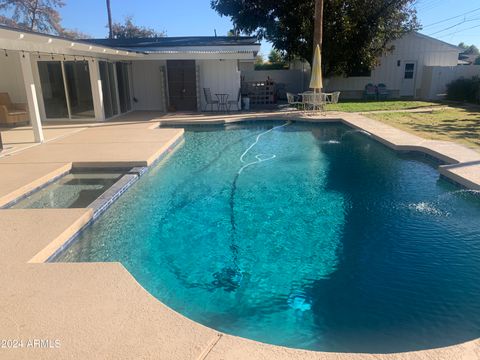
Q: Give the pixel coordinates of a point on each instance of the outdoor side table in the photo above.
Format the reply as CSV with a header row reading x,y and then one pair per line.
x,y
222,101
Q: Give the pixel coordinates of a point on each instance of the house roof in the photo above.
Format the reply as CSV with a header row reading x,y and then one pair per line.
x,y
186,45
172,42
437,40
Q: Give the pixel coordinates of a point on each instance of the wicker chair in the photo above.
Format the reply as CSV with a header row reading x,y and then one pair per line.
x,y
11,113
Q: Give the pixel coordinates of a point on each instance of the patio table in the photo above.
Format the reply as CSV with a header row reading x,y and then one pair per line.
x,y
222,101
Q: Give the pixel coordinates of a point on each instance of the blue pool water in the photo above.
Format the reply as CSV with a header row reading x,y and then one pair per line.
x,y
310,236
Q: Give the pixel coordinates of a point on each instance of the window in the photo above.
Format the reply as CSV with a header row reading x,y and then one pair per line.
x,y
360,72
409,70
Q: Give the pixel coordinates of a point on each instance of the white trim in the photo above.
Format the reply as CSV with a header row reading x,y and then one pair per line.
x,y
199,56
12,39
202,49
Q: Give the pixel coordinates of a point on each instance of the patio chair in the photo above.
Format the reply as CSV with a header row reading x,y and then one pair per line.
x,y
236,102
11,113
293,102
370,92
335,97
382,92
209,100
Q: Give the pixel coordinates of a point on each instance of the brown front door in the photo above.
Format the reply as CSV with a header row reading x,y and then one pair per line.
x,y
182,85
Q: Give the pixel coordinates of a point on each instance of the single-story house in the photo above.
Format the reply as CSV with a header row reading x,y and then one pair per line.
x,y
402,69
98,79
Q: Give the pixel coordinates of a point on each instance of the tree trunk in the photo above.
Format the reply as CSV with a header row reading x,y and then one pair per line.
x,y
318,29
109,13
34,15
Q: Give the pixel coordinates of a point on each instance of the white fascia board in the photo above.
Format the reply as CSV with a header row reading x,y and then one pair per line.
x,y
198,56
18,41
207,49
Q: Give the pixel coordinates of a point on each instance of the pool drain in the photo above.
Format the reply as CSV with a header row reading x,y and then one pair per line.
x,y
299,302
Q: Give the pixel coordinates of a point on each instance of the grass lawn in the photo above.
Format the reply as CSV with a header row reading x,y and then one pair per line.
x,y
453,124
387,105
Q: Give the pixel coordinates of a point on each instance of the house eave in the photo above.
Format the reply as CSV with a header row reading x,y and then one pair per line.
x,y
27,41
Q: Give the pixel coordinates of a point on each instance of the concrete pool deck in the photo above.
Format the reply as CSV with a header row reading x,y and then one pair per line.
x,y
98,310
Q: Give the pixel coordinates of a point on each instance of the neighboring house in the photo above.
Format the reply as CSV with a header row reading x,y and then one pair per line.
x,y
63,79
402,69
467,59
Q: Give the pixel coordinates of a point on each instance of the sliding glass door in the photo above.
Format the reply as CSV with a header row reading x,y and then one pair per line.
x,y
124,86
53,89
66,89
79,89
110,101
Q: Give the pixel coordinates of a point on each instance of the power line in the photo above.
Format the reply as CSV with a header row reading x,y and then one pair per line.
x,y
457,24
458,31
451,18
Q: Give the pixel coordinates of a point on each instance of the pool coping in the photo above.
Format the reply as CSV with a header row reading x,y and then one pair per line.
x,y
218,345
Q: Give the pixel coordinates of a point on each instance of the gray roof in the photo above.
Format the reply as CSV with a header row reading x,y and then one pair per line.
x,y
152,44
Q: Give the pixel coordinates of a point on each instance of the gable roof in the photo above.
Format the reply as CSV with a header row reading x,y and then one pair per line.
x,y
426,37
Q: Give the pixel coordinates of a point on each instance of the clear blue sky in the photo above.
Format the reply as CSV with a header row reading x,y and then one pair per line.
x,y
195,17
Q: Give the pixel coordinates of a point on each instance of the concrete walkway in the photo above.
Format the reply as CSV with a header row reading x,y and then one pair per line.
x,y
98,310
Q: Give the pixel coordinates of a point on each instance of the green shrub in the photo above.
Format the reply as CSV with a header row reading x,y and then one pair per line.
x,y
464,90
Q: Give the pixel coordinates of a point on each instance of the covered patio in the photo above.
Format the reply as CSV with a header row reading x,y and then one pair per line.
x,y
46,79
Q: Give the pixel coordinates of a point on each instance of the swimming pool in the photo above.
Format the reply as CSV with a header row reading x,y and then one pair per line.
x,y
306,235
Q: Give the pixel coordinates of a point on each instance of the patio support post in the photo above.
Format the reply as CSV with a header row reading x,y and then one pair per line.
x,y
97,93
32,99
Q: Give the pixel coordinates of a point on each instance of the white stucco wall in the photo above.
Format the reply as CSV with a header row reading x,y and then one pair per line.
x,y
148,85
11,78
221,76
412,47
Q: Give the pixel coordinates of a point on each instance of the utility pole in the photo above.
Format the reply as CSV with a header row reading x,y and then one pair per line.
x,y
318,28
109,13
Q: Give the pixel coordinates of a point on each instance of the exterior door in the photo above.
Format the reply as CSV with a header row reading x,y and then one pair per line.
x,y
408,79
182,85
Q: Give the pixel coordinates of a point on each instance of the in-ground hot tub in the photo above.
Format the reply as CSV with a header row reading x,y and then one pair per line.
x,y
77,189
306,235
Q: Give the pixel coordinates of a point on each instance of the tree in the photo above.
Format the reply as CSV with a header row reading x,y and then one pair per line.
x,y
259,59
355,32
469,49
33,15
129,30
477,61
74,34
275,57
